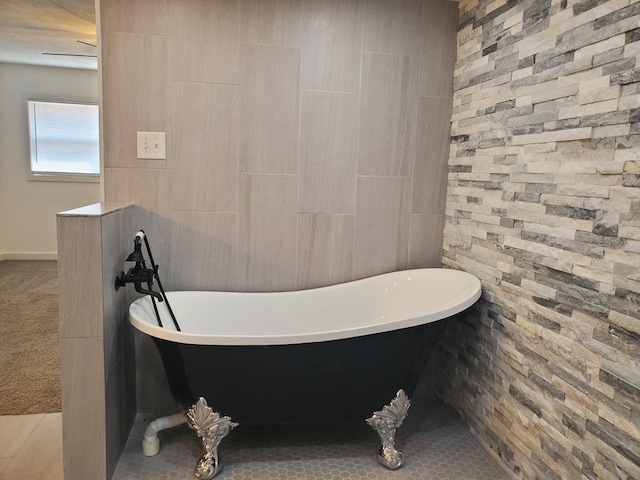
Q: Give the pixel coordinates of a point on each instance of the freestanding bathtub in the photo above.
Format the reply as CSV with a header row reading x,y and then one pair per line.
x,y
334,353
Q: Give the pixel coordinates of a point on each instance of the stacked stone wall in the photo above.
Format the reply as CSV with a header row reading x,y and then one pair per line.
x,y
543,206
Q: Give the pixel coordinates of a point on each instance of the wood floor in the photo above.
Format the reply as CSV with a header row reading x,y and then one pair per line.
x,y
31,447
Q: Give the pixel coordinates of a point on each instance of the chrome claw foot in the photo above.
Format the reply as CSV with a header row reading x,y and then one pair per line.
x,y
386,422
212,428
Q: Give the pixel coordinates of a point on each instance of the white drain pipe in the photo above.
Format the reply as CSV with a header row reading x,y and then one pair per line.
x,y
151,442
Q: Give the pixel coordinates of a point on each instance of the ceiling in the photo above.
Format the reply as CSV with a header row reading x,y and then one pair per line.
x,y
30,28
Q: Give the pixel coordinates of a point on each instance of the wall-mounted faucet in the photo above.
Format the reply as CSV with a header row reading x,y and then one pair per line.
x,y
138,274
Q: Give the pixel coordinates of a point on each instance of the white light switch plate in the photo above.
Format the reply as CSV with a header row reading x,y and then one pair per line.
x,y
151,145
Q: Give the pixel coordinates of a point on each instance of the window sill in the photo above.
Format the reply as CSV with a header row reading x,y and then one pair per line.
x,y
63,177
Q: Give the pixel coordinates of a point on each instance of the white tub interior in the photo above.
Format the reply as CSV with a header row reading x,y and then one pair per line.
x,y
372,305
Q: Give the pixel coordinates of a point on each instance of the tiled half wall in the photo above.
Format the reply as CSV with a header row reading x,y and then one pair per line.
x,y
544,206
96,340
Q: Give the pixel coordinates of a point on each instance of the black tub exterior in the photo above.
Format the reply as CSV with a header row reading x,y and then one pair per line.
x,y
339,380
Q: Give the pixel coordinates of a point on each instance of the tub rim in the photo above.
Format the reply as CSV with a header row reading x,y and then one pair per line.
x,y
169,333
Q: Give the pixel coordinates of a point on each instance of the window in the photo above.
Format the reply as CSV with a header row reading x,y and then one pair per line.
x,y
64,140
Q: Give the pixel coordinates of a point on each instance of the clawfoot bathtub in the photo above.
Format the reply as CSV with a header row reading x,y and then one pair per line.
x,y
335,353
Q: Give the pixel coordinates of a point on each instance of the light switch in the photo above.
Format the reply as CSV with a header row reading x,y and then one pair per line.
x,y
152,145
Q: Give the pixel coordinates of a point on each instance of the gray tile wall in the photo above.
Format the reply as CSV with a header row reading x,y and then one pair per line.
x,y
307,140
544,206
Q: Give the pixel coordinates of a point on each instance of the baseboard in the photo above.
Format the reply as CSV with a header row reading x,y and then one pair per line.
x,y
28,256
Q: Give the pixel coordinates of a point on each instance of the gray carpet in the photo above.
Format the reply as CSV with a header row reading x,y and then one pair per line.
x,y
29,339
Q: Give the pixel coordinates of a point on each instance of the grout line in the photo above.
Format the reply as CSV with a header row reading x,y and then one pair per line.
x,y
357,165
296,280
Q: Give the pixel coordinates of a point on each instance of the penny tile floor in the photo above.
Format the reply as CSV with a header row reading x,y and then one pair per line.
x,y
436,445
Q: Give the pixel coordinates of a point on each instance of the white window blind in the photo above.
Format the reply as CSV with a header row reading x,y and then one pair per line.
x,y
64,138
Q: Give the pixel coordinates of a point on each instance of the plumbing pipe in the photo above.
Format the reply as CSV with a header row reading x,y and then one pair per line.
x,y
151,442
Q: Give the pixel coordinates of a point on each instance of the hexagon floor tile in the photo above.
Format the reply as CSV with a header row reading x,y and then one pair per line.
x,y
436,445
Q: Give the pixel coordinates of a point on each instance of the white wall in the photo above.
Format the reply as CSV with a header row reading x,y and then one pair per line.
x,y
28,208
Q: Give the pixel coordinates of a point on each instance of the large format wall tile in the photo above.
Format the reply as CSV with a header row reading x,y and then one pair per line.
x,y
147,17
114,251
80,274
430,167
131,106
437,48
387,115
331,51
425,241
119,390
205,41
328,152
271,22
325,249
269,109
381,225
153,394
393,26
119,353
267,232
83,407
150,189
205,150
205,250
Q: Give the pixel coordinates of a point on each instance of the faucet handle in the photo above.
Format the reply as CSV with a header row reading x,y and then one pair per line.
x,y
120,280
